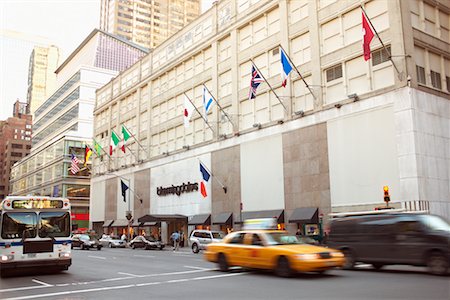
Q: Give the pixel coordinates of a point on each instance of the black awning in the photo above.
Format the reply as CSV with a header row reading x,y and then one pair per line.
x,y
149,224
161,218
277,214
223,218
305,215
204,219
107,223
135,223
120,223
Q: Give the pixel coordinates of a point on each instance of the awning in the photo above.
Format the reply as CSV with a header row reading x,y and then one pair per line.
x,y
149,224
107,223
223,218
277,214
135,223
120,223
204,219
305,215
162,218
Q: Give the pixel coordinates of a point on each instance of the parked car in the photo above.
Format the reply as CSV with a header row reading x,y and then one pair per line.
x,y
112,242
146,243
199,239
85,241
393,238
275,250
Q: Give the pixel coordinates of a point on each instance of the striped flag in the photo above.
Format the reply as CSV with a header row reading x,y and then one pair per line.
x,y
74,168
286,67
254,82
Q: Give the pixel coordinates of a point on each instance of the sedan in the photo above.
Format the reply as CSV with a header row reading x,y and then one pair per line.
x,y
112,242
146,243
85,241
272,250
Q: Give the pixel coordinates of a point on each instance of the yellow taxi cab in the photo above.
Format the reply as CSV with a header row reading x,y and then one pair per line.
x,y
275,250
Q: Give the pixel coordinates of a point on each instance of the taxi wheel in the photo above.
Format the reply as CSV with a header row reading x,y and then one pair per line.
x,y
223,264
349,259
283,268
195,248
437,264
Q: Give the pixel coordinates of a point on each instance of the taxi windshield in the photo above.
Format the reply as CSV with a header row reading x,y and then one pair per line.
x,y
281,238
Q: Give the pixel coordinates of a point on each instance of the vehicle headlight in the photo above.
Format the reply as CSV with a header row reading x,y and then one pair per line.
x,y
64,254
337,254
307,256
7,257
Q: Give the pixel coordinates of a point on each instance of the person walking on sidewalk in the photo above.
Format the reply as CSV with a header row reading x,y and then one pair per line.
x,y
175,237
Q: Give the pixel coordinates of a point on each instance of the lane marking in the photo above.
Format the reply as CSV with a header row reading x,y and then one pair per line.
x,y
128,274
41,282
99,257
146,256
197,268
122,287
23,288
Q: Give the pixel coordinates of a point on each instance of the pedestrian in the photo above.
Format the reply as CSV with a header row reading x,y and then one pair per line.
x,y
123,237
181,239
175,237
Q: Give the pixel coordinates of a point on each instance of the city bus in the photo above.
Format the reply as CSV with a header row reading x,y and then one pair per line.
x,y
34,233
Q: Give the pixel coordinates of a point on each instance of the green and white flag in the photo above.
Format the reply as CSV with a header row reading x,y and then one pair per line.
x,y
115,143
126,134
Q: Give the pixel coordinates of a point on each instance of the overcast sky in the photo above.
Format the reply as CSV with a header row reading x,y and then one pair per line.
x,y
64,23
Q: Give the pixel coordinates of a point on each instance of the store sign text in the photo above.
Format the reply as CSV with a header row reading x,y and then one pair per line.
x,y
177,189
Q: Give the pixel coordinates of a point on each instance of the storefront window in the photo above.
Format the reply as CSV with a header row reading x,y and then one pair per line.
x,y
59,149
77,190
48,174
38,177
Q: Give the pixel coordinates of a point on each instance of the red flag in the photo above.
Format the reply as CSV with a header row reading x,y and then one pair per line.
x,y
367,36
203,189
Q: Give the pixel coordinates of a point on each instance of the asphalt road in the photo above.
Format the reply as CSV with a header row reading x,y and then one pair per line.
x,y
153,274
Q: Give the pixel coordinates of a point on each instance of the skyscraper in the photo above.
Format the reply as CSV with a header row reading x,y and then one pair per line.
x,y
41,75
147,22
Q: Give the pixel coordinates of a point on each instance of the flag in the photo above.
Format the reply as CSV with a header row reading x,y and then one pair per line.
x,y
203,189
207,101
126,134
188,111
254,82
87,154
114,143
97,148
55,191
367,36
74,168
286,67
124,190
204,172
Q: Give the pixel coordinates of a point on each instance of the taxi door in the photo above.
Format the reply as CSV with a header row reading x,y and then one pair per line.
x,y
255,251
235,250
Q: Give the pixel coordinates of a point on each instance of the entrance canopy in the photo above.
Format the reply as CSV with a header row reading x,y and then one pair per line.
x,y
120,223
107,223
277,214
204,219
223,219
305,215
161,218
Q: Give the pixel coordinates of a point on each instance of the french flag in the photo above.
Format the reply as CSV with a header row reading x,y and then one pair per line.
x,y
286,67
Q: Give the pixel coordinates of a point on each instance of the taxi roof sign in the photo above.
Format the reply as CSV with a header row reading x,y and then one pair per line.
x,y
263,223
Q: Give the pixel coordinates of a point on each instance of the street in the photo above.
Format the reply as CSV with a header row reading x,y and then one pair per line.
x,y
145,274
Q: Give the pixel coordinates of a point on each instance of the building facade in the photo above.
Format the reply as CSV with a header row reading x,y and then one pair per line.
x,y
147,22
63,124
297,155
15,143
41,75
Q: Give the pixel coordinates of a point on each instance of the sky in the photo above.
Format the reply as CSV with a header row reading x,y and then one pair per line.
x,y
25,23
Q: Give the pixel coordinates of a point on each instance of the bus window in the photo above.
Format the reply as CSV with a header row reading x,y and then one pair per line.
x,y
54,224
19,225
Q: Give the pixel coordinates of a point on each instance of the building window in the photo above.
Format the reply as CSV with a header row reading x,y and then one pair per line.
x,y
436,80
420,75
16,154
381,55
334,73
447,79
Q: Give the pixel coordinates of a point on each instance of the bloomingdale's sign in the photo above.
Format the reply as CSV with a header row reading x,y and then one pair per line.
x,y
177,189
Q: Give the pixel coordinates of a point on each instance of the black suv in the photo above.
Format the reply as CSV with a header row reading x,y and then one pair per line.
x,y
393,238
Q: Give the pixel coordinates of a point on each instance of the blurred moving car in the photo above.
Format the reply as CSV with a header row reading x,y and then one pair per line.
x,y
391,237
112,242
272,250
199,239
85,241
146,243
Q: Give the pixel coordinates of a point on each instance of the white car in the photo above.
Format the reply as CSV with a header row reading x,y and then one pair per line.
x,y
112,242
199,239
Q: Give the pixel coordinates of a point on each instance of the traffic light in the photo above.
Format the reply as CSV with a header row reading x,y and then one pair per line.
x,y
387,198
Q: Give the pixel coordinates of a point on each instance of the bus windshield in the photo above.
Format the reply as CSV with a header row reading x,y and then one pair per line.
x,y
54,224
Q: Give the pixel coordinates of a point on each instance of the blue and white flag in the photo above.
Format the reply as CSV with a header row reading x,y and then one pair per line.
x,y
205,173
207,101
286,67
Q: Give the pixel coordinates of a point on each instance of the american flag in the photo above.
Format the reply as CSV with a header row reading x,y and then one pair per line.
x,y
74,168
254,82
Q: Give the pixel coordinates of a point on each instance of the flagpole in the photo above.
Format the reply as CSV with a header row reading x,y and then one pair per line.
x,y
298,72
215,100
221,184
140,145
382,44
107,154
269,85
201,115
